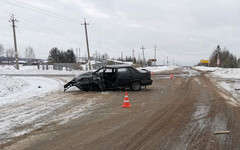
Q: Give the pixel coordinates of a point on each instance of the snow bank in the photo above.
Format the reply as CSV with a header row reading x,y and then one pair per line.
x,y
160,68
231,73
17,89
10,85
208,69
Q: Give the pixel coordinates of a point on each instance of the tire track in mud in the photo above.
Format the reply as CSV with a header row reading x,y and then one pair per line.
x,y
218,115
159,126
193,134
224,117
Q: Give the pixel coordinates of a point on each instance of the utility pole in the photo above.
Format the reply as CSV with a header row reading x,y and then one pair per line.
x,y
121,56
143,55
79,54
167,60
133,55
155,49
76,55
13,20
85,25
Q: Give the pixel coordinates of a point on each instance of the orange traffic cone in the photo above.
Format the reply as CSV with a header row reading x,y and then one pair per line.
x,y
126,103
171,77
152,74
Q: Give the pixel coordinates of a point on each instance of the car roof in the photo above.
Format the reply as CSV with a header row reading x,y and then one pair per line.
x,y
118,66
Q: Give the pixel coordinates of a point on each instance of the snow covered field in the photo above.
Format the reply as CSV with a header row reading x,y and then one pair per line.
x,y
33,70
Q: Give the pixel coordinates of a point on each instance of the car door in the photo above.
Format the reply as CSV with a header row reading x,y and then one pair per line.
x,y
124,77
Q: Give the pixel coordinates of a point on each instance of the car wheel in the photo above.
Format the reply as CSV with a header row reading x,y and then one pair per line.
x,y
135,86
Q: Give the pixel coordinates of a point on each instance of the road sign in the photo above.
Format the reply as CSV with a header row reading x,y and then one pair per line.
x,y
204,61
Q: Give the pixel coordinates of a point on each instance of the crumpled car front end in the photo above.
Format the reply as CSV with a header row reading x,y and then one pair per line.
x,y
87,81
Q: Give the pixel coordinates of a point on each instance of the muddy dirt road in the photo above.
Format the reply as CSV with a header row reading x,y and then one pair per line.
x,y
182,113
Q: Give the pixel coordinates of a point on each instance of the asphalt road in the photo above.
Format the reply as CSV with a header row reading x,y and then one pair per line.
x,y
182,113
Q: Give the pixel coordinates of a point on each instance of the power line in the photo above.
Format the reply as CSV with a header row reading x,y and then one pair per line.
x,y
92,22
37,31
4,28
44,28
97,26
42,11
65,18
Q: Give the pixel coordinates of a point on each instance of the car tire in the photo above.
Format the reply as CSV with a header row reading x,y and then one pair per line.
x,y
136,86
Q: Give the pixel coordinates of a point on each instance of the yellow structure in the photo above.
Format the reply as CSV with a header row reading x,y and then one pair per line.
x,y
204,61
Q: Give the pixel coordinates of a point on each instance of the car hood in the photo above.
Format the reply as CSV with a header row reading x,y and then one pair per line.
x,y
86,74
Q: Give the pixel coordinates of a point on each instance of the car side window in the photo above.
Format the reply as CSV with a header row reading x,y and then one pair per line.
x,y
133,71
108,70
123,71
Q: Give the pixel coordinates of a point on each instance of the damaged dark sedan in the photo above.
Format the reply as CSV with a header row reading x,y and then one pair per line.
x,y
111,78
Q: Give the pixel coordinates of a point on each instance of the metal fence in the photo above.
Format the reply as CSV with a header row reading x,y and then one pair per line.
x,y
67,66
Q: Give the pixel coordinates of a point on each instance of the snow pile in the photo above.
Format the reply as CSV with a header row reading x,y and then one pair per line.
x,y
18,89
231,73
208,69
160,68
10,85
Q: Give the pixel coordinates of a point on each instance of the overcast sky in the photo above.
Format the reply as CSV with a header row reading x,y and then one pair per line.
x,y
183,30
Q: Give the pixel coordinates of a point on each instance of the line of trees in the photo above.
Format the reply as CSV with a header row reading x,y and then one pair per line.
x,y
9,54
227,59
57,56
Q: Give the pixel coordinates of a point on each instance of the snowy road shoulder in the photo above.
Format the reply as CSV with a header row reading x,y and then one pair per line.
x,y
228,79
30,103
18,89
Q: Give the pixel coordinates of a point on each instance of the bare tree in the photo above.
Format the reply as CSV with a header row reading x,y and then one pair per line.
x,y
29,53
1,52
10,54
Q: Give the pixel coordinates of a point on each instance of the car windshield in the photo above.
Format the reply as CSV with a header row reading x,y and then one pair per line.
x,y
100,70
